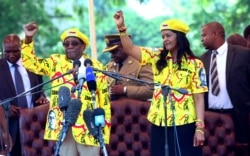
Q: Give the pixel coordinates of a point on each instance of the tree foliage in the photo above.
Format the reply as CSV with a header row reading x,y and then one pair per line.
x,y
16,13
54,16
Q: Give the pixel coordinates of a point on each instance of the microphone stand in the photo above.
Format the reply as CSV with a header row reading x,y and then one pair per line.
x,y
101,141
110,74
165,93
39,85
119,77
60,141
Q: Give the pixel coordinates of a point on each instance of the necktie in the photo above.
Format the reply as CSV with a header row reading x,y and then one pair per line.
x,y
214,75
22,101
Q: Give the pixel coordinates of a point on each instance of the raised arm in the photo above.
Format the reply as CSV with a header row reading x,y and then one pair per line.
x,y
127,44
30,30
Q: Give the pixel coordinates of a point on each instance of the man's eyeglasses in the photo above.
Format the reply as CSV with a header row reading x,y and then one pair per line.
x,y
73,43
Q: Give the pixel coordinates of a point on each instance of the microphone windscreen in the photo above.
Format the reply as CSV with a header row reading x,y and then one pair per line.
x,y
77,63
89,120
88,62
99,117
90,78
72,112
64,97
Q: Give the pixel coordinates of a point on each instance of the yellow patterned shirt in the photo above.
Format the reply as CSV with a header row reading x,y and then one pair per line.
x,y
56,65
182,108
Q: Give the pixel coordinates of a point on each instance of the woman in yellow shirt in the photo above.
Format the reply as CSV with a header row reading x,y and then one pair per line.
x,y
174,66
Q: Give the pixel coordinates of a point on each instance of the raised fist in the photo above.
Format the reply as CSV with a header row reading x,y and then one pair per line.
x,y
119,19
30,29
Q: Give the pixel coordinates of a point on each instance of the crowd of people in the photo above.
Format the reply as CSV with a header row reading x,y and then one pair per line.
x,y
217,81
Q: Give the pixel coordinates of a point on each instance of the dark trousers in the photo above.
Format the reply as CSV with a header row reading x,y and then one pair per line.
x,y
16,149
180,141
240,119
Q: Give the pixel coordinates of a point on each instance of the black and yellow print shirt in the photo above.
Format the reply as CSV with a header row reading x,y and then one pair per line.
x,y
183,109
56,65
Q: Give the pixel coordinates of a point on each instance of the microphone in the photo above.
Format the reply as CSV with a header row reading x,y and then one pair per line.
x,y
166,88
99,120
76,65
99,117
88,63
89,120
64,97
90,78
70,119
81,80
182,91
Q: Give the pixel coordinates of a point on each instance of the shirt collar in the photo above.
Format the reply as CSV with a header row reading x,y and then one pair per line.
x,y
19,63
82,59
223,48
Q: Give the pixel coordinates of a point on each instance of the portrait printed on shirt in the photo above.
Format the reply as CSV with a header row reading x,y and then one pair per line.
x,y
202,75
52,120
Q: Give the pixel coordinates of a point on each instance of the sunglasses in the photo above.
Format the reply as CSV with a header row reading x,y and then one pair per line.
x,y
12,51
73,43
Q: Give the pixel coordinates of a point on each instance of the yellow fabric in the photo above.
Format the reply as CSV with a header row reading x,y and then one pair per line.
x,y
56,65
174,24
187,78
75,32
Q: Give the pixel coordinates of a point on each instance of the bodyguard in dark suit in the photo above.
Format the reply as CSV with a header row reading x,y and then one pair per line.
x,y
8,84
234,78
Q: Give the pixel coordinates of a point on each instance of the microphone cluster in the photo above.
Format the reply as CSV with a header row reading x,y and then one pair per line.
x,y
94,119
87,76
71,109
71,114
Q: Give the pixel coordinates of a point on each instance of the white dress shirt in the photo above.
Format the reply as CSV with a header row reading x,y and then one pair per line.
x,y
26,80
222,100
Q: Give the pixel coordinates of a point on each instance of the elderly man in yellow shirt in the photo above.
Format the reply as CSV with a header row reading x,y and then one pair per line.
x,y
78,140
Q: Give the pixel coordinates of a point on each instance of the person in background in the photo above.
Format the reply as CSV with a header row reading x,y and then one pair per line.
x,y
237,39
173,67
9,87
78,140
128,66
246,34
233,73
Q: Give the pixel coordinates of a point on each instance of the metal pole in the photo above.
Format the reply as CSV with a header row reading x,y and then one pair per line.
x,y
92,29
